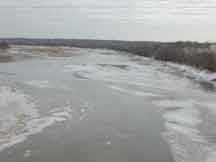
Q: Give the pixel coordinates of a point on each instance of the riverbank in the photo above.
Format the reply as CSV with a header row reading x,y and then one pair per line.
x,y
199,55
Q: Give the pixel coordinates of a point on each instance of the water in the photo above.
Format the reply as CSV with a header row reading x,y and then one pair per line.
x,y
158,20
101,105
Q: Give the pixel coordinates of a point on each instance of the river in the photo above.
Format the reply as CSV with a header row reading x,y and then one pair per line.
x,y
69,104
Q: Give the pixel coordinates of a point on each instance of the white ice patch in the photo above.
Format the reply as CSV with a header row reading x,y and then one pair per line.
x,y
63,113
135,75
91,71
108,142
84,111
14,108
211,157
211,107
39,83
192,72
27,153
212,77
175,103
182,119
187,117
19,118
133,92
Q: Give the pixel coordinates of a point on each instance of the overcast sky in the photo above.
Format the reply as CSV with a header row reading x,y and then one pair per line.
x,y
159,20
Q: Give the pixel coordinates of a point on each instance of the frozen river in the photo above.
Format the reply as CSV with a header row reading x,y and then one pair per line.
x,y
100,106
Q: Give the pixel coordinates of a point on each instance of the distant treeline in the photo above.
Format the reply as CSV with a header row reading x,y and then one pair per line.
x,y
200,55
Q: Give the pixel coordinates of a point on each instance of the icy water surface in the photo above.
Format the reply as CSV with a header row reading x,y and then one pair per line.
x,y
83,105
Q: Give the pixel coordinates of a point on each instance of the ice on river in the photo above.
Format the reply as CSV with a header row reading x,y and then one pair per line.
x,y
20,118
188,111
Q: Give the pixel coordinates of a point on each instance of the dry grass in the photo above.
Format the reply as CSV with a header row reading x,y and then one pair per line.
x,y
51,51
47,49
5,58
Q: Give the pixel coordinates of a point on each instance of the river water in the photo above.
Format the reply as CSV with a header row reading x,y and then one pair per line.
x,y
84,105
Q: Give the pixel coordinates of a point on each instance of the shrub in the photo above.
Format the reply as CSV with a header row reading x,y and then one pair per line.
x,y
202,59
173,54
4,45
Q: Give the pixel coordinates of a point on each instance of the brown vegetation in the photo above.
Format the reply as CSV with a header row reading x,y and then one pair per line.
x,y
200,55
202,58
4,58
4,45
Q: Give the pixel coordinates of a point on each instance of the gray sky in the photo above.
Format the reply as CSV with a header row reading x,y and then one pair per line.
x,y
163,20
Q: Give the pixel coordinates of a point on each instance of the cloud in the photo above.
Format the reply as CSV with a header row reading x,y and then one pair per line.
x,y
152,19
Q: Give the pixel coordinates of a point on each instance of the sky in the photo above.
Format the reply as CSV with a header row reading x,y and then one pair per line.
x,y
148,20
